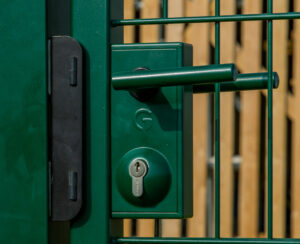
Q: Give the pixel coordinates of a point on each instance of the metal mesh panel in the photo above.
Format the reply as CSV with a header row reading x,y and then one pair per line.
x,y
268,17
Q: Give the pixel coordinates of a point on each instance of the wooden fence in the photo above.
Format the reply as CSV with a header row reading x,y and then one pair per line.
x,y
243,121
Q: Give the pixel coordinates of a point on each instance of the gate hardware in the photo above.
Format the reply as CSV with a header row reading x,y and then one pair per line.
x,y
202,77
157,130
138,168
254,81
66,103
174,77
149,185
144,94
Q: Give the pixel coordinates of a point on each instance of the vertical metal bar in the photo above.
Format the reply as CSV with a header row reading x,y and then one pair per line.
x,y
270,122
217,125
217,160
97,14
165,9
210,171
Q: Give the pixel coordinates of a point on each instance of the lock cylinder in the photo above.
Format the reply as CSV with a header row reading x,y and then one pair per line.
x,y
143,176
138,168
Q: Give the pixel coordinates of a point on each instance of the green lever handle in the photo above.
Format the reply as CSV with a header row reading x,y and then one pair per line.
x,y
254,81
173,77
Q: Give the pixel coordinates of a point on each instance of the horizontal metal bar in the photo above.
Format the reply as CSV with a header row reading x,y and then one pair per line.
x,y
206,240
174,77
207,19
254,81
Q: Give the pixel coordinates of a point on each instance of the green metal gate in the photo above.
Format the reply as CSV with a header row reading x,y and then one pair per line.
x,y
96,25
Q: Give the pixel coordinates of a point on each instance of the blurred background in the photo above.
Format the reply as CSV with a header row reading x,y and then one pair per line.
x,y
243,121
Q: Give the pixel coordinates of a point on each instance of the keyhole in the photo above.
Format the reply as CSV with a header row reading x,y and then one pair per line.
x,y
137,166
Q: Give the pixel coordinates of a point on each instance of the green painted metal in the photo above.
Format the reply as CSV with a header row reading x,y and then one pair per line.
x,y
23,131
207,241
91,23
206,19
253,81
83,227
159,130
91,27
270,122
23,137
165,8
217,124
174,77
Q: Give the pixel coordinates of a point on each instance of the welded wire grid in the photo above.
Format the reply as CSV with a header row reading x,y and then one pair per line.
x,y
269,17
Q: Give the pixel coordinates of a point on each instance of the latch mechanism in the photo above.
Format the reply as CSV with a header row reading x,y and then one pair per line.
x,y
151,125
66,128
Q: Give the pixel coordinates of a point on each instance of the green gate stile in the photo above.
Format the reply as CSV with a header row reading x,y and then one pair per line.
x,y
91,28
23,131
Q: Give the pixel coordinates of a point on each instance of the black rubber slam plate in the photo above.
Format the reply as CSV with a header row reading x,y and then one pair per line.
x,y
66,135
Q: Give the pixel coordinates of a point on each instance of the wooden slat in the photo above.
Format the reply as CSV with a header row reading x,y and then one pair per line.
x,y
227,124
280,37
150,9
127,231
196,226
175,32
145,227
250,126
173,228
198,36
129,13
212,25
150,33
295,211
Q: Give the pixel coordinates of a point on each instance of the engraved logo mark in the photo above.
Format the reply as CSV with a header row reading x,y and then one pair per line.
x,y
144,119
